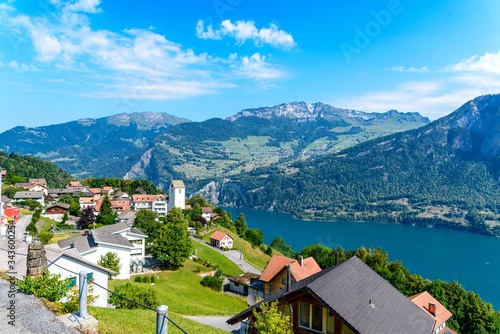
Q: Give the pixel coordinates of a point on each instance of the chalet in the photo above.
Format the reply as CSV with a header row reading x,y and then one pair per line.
x,y
221,240
434,310
57,209
41,182
349,298
122,196
89,202
33,187
121,206
206,213
96,191
108,190
38,196
274,276
245,284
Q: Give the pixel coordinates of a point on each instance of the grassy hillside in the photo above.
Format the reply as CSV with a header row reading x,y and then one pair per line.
x,y
254,256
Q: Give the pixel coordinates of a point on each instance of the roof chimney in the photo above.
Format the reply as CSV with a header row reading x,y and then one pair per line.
x,y
432,308
288,277
301,261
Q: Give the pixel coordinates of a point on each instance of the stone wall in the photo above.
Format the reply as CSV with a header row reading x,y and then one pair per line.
x,y
36,262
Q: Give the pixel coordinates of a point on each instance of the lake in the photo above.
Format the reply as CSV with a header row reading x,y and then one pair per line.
x,y
471,259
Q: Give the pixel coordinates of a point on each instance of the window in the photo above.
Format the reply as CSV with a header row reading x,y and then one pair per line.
x,y
346,330
179,191
90,276
271,289
315,317
283,280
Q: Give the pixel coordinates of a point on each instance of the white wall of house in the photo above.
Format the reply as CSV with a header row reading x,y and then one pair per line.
x,y
142,205
160,206
227,241
100,277
123,253
206,215
38,187
138,241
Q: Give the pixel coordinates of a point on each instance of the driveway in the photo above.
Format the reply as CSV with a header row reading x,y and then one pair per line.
x,y
235,256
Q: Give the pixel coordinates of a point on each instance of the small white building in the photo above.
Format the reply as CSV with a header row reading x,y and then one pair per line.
x,y
221,240
176,195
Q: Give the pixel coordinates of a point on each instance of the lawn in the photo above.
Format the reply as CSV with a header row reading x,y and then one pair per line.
x,y
119,321
227,267
182,292
252,255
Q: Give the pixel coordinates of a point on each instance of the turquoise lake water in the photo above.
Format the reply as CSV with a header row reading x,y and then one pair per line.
x,y
471,259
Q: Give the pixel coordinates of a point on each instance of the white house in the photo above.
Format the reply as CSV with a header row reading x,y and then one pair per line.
x,y
157,203
65,263
121,238
206,212
68,262
221,240
34,195
94,244
176,195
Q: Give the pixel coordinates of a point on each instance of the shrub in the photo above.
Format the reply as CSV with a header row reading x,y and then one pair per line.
x,y
152,279
45,237
48,286
145,296
145,279
213,282
138,279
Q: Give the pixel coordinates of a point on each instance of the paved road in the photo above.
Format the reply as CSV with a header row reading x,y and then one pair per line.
x,y
217,322
21,226
233,255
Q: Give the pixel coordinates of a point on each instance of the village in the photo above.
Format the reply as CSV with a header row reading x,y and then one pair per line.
x,y
346,298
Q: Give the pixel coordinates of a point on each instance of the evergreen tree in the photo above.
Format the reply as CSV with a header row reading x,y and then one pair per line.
x,y
106,215
241,225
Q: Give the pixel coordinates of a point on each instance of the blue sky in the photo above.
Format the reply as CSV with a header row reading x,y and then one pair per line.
x,y
66,60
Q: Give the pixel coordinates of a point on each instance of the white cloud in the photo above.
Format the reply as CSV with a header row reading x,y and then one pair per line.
x,y
410,69
243,31
487,63
256,67
137,62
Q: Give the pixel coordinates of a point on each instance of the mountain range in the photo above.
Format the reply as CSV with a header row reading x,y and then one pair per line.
x,y
159,147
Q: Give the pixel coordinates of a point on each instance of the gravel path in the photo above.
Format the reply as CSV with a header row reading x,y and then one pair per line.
x,y
31,316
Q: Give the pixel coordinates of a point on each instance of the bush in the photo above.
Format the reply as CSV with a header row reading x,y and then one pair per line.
x,y
145,296
45,237
138,279
145,279
152,279
213,282
48,286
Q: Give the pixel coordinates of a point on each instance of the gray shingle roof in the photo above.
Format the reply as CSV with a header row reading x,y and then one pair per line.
x,y
348,289
114,239
28,194
121,226
82,243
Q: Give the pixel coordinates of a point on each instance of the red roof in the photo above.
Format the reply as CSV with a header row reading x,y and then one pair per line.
x,y
219,235
423,300
206,209
277,263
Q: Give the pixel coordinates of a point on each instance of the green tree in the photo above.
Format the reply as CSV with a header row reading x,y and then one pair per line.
x,y
65,218
48,286
146,221
281,246
241,225
323,255
145,296
13,179
106,215
67,198
111,261
254,236
172,245
270,320
214,282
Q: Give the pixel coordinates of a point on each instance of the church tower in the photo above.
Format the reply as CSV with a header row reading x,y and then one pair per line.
x,y
176,195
